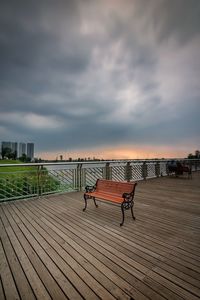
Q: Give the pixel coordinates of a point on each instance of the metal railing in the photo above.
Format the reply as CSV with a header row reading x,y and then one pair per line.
x,y
19,181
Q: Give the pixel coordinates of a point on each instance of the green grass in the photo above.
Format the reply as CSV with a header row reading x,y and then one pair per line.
x,y
13,169
9,161
22,181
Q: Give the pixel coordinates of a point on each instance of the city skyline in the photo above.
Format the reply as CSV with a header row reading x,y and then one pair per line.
x,y
18,148
110,79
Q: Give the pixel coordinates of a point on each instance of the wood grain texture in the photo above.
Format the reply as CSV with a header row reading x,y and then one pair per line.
x,y
51,249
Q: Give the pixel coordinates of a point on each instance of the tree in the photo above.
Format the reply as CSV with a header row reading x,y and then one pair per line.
x,y
190,156
23,157
193,156
14,154
6,153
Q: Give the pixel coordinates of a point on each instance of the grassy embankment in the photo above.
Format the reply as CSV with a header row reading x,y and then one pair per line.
x,y
24,181
4,170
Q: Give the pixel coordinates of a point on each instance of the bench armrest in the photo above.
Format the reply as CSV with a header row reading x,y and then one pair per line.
x,y
127,196
90,188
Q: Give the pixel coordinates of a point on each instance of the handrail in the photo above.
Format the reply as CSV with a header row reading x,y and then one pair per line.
x,y
98,162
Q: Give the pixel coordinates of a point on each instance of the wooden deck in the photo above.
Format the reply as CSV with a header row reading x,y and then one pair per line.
x,y
51,249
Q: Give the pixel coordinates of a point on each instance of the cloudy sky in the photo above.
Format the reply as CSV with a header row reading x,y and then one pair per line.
x,y
106,78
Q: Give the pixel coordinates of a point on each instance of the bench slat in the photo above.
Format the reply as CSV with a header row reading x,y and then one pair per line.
x,y
106,196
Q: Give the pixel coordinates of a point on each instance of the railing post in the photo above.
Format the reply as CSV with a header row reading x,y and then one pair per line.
x,y
128,172
167,168
190,164
25,186
157,169
39,181
196,165
83,177
144,170
108,171
79,177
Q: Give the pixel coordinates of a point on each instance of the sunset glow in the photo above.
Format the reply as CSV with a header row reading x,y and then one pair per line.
x,y
146,152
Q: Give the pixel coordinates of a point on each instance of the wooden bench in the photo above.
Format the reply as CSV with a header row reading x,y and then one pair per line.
x,y
121,193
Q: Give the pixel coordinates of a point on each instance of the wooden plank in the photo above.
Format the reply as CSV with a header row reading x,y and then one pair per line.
x,y
117,265
83,288
33,278
183,283
111,281
177,280
2,295
68,229
157,262
23,285
157,225
172,286
49,282
101,240
154,247
155,257
43,252
163,256
7,282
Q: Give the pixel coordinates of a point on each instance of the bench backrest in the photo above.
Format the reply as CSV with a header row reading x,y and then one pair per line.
x,y
115,187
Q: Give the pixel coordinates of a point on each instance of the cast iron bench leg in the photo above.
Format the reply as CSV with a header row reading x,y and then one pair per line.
x,y
122,209
132,211
85,198
95,202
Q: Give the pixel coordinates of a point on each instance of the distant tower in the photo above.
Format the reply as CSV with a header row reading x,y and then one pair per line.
x,y
22,149
12,146
5,145
14,149
30,150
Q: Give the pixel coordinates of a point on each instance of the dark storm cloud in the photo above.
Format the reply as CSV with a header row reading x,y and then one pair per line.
x,y
98,72
30,39
179,19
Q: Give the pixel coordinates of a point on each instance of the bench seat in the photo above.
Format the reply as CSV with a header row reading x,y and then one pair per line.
x,y
109,197
121,193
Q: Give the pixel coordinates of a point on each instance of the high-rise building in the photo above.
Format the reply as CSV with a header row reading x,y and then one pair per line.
x,y
30,150
14,148
5,145
11,146
22,149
